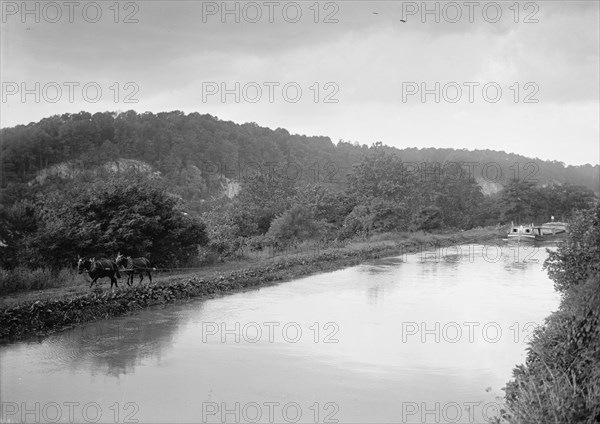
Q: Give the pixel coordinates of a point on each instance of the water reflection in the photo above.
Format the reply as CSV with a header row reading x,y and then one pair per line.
x,y
374,295
112,347
368,341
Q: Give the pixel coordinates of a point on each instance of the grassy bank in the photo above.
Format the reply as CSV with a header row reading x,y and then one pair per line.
x,y
42,312
560,380
22,279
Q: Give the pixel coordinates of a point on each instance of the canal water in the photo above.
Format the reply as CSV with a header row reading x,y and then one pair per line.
x,y
430,337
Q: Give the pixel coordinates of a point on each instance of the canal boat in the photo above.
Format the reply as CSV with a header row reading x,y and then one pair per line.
x,y
546,232
525,233
554,228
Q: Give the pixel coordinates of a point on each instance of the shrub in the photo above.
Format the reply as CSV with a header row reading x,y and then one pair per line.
x,y
560,381
23,279
20,279
578,257
297,223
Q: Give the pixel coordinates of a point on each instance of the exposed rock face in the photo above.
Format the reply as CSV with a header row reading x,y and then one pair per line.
x,y
75,169
232,189
488,187
193,175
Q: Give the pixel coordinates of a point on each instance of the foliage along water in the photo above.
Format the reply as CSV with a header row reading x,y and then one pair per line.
x,y
427,337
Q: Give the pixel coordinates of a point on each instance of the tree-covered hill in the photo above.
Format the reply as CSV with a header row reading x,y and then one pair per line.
x,y
193,152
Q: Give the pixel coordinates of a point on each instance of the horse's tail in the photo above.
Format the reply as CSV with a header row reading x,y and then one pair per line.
x,y
117,271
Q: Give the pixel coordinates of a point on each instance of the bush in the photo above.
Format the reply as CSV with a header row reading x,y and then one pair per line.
x,y
296,224
22,279
428,219
578,257
223,235
560,381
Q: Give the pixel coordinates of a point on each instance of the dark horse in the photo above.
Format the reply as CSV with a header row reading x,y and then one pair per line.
x,y
135,266
99,269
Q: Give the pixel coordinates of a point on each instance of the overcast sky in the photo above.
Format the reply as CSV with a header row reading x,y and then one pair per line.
x,y
360,69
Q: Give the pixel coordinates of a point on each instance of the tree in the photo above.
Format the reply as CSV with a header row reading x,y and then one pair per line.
x,y
295,224
264,197
578,257
16,222
575,197
358,222
429,218
458,203
389,191
517,200
381,174
223,231
131,214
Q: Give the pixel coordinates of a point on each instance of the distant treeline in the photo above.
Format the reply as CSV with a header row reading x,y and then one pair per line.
x,y
153,185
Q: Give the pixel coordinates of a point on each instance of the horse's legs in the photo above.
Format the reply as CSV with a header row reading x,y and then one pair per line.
x,y
129,278
141,276
113,280
149,276
93,281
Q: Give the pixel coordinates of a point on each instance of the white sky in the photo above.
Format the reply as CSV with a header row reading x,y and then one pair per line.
x,y
177,50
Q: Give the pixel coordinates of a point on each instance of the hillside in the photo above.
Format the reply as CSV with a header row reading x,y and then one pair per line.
x,y
194,153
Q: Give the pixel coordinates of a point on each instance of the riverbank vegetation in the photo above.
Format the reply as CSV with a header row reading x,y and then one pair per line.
x,y
560,380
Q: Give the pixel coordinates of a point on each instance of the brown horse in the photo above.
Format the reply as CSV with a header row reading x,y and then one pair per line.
x,y
135,266
99,269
